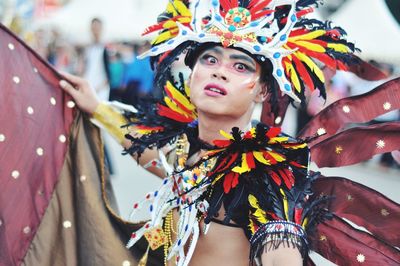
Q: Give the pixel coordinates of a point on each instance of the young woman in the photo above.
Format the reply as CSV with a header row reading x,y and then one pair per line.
x,y
230,188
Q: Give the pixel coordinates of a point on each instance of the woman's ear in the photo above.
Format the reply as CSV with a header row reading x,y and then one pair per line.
x,y
263,94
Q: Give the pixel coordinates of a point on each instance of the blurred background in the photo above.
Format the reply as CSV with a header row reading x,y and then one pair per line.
x,y
100,39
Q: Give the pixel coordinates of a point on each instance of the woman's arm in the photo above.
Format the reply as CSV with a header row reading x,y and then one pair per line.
x,y
107,117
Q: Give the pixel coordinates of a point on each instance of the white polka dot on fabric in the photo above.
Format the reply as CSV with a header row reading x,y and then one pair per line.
x,y
15,174
53,101
70,104
16,79
11,46
26,230
126,263
30,110
40,151
62,138
67,224
2,138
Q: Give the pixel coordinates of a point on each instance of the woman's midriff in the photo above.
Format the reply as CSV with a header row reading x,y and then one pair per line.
x,y
222,245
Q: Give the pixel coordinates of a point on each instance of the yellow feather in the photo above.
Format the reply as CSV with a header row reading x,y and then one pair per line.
x,y
225,135
285,204
312,46
260,157
338,47
294,78
187,90
308,36
217,178
312,66
174,107
276,156
259,213
243,168
178,96
305,222
278,139
182,8
162,37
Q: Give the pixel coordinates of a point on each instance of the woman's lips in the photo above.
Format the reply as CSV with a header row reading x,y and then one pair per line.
x,y
214,90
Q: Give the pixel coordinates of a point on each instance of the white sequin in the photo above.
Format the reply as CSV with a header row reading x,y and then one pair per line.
x,y
2,138
35,70
27,230
346,109
82,178
15,174
380,144
278,120
1,222
70,104
40,151
67,224
360,258
11,46
126,263
321,131
53,101
387,106
30,110
16,80
62,138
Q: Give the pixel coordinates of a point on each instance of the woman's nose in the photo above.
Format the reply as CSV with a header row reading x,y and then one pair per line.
x,y
219,76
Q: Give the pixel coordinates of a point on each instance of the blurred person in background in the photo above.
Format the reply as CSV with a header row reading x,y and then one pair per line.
x,y
95,71
95,67
138,76
115,72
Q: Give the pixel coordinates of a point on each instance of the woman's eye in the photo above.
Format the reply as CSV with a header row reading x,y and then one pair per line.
x,y
241,67
211,60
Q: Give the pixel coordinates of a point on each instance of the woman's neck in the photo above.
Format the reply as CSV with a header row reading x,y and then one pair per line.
x,y
210,125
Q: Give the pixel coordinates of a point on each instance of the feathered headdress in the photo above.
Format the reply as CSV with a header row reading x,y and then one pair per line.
x,y
271,30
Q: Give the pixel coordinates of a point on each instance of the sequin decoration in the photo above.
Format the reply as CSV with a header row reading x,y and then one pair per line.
x,y
346,109
387,106
2,138
62,138
350,197
385,212
338,149
15,174
380,144
322,238
11,46
321,131
361,258
16,80
67,224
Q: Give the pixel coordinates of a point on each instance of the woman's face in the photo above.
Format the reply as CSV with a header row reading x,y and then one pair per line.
x,y
225,82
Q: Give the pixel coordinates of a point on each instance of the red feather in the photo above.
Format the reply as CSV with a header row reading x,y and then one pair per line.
x,y
176,101
273,132
228,178
297,215
250,160
221,167
226,5
261,14
303,73
259,6
300,13
269,157
166,112
235,180
298,32
275,177
296,164
221,143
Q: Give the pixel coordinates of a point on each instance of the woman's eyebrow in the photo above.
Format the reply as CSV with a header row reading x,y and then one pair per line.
x,y
243,57
216,50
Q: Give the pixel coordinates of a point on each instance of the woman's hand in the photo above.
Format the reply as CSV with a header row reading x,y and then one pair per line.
x,y
80,90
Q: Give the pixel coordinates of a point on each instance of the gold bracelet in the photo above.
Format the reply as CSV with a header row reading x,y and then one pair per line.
x,y
111,120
